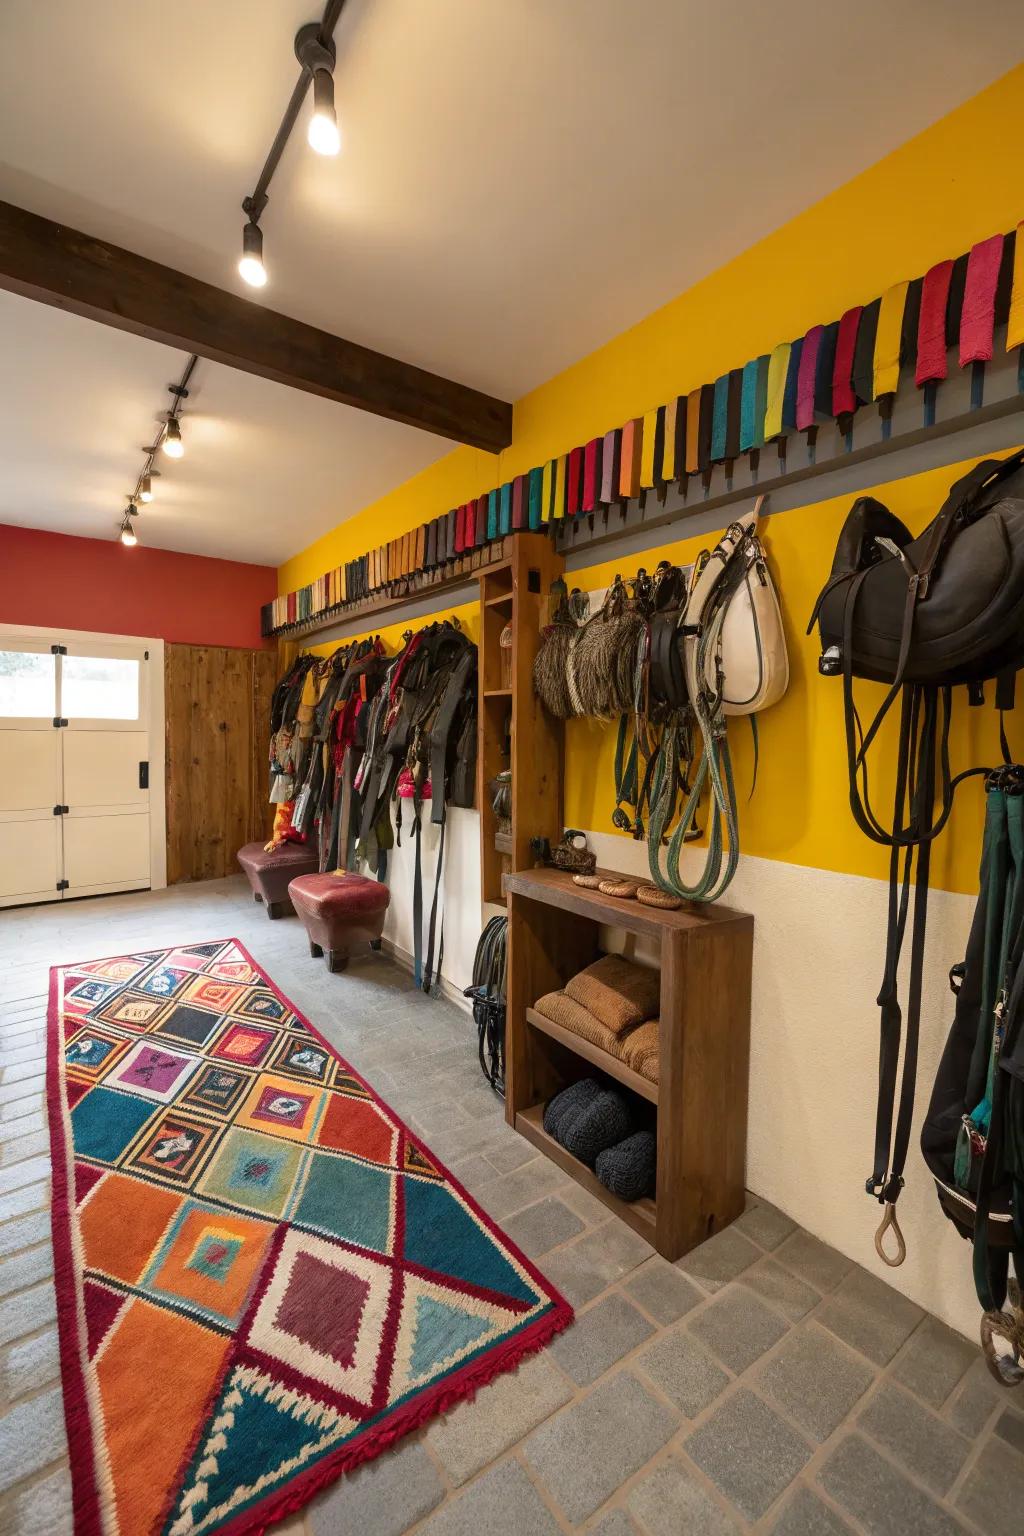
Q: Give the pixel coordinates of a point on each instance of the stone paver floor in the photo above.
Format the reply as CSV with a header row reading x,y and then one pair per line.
x,y
764,1383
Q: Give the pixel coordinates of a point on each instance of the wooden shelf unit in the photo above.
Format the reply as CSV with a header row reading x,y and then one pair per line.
x,y
515,592
704,1044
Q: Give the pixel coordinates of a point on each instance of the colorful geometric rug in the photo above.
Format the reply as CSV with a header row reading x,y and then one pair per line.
x,y
263,1277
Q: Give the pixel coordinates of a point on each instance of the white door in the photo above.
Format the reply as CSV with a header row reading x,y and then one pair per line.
x,y
30,774
74,801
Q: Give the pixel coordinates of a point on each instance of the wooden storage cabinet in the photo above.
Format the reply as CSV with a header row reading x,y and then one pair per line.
x,y
704,1045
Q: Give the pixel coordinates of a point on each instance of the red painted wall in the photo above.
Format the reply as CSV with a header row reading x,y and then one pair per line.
x,y
62,582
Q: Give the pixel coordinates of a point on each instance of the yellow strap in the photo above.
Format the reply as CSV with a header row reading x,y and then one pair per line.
x,y
559,487
1015,327
546,485
888,338
668,457
647,451
778,367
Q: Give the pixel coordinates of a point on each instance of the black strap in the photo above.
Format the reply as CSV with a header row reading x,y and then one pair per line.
x,y
428,967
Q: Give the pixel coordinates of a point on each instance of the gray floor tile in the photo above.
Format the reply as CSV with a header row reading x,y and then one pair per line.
x,y
749,1453
589,1449
662,1291
814,1262
720,1259
583,1269
510,1192
479,1431
816,1380
502,1500
671,1500
384,1496
543,1226
764,1223
511,1155
683,1369
738,1329
874,1492
599,1337
782,1288
993,1491
870,1315
1010,1427
912,1435
975,1401
615,1523
806,1515
934,1361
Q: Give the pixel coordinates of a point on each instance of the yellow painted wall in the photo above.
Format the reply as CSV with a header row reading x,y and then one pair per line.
x,y
931,198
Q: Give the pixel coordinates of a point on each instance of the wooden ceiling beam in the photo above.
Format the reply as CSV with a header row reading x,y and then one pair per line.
x,y
63,267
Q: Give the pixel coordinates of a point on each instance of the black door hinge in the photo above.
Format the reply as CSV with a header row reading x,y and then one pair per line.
x,y
60,810
63,885
58,650
143,775
58,721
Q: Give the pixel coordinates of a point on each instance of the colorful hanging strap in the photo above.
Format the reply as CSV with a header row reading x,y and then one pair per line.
x,y
1015,323
591,474
574,482
792,381
760,400
823,371
931,326
778,368
888,341
806,374
668,445
844,399
748,406
558,508
733,404
632,448
505,509
480,521
704,426
691,458
547,494
519,502
536,492
955,306
719,418
647,453
610,463
977,321
864,353
492,515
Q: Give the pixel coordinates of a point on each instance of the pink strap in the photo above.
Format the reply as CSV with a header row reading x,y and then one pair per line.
x,y
805,378
978,317
591,466
931,326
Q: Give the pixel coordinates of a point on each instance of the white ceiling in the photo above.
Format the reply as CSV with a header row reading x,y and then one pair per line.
x,y
518,183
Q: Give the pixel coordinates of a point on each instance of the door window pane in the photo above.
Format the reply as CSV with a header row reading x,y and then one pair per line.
x,y
99,688
27,687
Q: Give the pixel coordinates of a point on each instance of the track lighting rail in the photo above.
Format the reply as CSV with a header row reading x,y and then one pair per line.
x,y
170,432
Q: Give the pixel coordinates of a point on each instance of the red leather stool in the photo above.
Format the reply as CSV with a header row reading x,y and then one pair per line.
x,y
338,912
269,873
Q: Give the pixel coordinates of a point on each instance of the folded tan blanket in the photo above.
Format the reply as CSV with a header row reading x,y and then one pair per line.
x,y
618,993
562,1010
639,1050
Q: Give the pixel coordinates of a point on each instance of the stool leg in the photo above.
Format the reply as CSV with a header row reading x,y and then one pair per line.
x,y
257,897
275,909
315,950
376,943
337,961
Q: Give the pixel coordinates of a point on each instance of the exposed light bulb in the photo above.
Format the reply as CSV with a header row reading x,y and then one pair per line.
x,y
172,444
146,489
128,535
251,266
323,134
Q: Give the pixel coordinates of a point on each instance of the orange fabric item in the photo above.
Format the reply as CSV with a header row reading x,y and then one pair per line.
x,y
639,1050
629,464
693,432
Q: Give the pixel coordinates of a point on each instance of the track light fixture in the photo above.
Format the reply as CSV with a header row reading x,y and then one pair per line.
x,y
251,265
315,51
168,438
172,443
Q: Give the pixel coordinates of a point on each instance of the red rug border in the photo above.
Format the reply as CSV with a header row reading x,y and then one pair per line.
x,y
460,1387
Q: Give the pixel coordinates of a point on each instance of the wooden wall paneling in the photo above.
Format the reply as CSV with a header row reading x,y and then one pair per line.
x,y
265,675
178,759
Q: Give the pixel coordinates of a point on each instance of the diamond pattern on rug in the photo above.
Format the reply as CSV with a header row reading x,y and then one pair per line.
x,y
271,1277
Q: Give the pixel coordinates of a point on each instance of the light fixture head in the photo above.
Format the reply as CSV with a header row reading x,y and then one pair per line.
x,y
172,444
128,535
323,133
146,487
251,266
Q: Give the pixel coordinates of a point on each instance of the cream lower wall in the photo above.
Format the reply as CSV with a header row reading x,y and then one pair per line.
x,y
818,947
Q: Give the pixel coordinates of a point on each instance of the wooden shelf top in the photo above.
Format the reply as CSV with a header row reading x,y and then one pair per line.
x,y
641,1215
555,888
497,693
598,1058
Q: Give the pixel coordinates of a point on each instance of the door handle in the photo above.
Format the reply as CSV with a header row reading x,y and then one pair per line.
x,y
143,775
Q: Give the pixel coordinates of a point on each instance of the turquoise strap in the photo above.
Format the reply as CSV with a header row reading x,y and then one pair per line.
x,y
720,419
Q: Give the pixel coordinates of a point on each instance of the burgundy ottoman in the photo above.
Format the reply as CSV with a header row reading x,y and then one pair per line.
x,y
338,912
269,873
